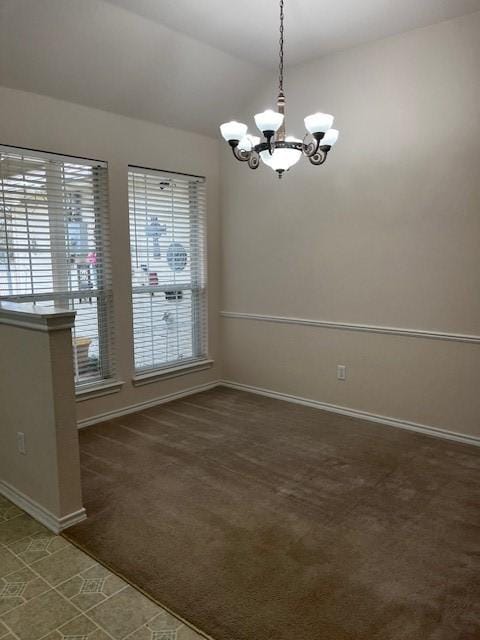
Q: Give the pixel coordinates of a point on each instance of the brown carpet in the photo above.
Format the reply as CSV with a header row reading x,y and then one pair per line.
x,y
256,519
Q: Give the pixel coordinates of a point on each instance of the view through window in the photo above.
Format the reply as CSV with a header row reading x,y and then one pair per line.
x,y
54,247
167,240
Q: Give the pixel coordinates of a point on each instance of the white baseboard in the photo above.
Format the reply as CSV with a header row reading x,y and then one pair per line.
x,y
132,408
34,509
357,413
325,406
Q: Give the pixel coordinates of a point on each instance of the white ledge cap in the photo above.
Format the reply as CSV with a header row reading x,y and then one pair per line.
x,y
36,317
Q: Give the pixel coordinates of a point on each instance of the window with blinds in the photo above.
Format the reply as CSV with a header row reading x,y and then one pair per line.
x,y
54,247
167,241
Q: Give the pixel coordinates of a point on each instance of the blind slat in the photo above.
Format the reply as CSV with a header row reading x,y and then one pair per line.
x,y
54,247
169,289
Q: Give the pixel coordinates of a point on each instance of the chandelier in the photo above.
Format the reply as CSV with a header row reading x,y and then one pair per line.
x,y
276,150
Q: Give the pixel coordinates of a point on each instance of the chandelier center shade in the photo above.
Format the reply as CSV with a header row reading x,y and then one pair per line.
x,y
276,149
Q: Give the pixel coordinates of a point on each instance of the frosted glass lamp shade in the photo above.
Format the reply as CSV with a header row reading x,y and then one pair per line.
x,y
318,122
282,159
245,144
330,137
233,130
248,142
268,120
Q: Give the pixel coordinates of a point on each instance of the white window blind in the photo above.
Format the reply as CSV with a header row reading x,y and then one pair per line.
x,y
54,247
167,241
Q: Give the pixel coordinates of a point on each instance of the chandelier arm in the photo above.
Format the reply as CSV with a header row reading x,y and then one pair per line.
x,y
253,160
318,158
240,154
310,149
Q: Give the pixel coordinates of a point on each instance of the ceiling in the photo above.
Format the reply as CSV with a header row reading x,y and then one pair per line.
x,y
249,28
189,64
96,54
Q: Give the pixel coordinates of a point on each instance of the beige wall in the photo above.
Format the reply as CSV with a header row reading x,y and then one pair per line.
x,y
386,233
37,399
37,122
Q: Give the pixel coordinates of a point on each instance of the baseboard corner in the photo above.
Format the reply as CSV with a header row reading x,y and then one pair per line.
x,y
424,429
52,522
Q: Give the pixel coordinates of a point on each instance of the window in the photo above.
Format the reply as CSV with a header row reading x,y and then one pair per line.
x,y
167,241
54,247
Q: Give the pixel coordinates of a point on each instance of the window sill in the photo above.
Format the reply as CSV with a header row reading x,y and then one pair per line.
x,y
98,390
171,372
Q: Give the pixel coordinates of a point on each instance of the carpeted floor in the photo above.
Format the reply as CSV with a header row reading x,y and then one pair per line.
x,y
255,519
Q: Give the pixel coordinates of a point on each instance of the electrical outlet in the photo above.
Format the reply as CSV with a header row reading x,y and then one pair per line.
x,y
341,372
21,442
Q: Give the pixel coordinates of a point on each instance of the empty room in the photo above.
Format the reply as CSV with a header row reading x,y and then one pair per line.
x,y
239,320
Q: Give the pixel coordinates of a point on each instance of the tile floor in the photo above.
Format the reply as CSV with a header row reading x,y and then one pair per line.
x,y
50,590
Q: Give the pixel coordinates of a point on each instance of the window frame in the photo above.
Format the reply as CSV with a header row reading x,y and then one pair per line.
x,y
59,250
197,284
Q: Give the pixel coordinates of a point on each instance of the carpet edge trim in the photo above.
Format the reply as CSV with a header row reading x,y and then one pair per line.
x,y
106,565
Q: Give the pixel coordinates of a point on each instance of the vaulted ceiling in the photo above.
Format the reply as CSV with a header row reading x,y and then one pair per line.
x,y
184,63
249,28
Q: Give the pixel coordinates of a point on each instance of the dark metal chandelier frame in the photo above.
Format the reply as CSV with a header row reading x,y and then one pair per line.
x,y
249,149
314,151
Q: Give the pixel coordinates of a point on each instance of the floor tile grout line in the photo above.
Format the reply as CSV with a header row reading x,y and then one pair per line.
x,y
135,587
32,599
79,575
54,587
50,555
100,626
80,611
10,630
30,535
85,613
98,603
45,635
48,588
7,632
17,516
144,624
67,600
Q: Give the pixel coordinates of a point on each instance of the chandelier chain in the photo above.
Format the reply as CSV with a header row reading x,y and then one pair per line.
x,y
280,66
